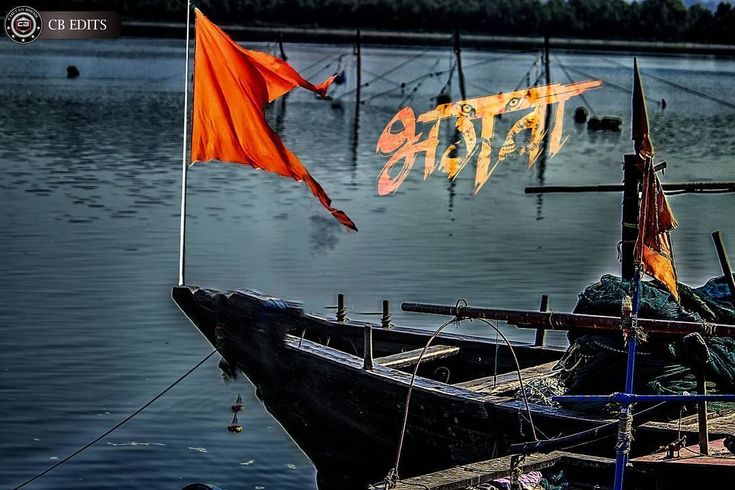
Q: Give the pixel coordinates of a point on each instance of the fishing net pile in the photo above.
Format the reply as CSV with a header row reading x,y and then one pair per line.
x,y
595,361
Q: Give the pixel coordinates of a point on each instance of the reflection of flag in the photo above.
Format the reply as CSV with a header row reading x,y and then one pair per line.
x,y
232,85
655,219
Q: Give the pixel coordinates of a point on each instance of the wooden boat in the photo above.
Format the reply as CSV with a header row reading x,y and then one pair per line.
x,y
346,412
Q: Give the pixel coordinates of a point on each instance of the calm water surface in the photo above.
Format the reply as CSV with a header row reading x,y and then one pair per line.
x,y
89,219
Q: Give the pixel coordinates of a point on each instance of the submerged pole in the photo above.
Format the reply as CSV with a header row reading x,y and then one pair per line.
x,y
280,46
358,68
724,261
184,163
460,72
547,116
547,63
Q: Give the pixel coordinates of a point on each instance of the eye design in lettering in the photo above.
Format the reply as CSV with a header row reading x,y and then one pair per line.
x,y
401,143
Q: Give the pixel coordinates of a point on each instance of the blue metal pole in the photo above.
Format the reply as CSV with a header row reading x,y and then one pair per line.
x,y
632,398
625,422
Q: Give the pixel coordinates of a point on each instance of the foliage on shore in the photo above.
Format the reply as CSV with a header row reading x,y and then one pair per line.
x,y
661,20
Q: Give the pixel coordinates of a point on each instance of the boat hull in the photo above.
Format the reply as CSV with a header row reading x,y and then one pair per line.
x,y
348,419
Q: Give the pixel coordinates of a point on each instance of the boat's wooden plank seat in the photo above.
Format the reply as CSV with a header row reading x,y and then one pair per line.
x,y
505,382
411,357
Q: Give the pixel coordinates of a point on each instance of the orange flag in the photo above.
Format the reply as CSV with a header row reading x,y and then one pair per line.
x,y
655,219
653,247
232,85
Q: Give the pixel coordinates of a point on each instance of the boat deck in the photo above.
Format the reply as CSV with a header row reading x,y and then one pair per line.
x,y
719,456
471,475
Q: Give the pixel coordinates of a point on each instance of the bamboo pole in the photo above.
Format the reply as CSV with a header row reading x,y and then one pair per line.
x,y
554,320
723,186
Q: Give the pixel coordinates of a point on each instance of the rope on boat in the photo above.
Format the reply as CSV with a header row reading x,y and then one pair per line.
x,y
393,473
392,476
116,426
520,376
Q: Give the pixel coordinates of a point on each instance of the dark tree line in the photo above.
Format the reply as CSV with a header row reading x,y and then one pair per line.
x,y
665,20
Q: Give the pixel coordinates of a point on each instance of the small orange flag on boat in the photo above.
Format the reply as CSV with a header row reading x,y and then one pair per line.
x,y
232,86
655,219
653,247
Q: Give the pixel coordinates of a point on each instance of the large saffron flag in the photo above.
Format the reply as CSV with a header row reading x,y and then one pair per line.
x,y
655,219
232,86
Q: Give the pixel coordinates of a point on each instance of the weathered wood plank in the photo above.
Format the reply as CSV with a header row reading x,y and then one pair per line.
x,y
508,381
411,357
460,477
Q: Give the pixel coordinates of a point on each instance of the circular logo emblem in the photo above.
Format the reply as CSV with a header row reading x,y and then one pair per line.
x,y
23,25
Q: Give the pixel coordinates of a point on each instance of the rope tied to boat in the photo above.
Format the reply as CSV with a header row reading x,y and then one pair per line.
x,y
625,431
520,376
392,477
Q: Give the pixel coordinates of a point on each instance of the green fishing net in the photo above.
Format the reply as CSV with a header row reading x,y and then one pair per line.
x,y
595,362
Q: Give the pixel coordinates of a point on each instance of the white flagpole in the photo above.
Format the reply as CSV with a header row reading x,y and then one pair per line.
x,y
184,163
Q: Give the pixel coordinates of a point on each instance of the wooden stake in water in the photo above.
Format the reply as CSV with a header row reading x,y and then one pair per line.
x,y
184,165
358,68
460,72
